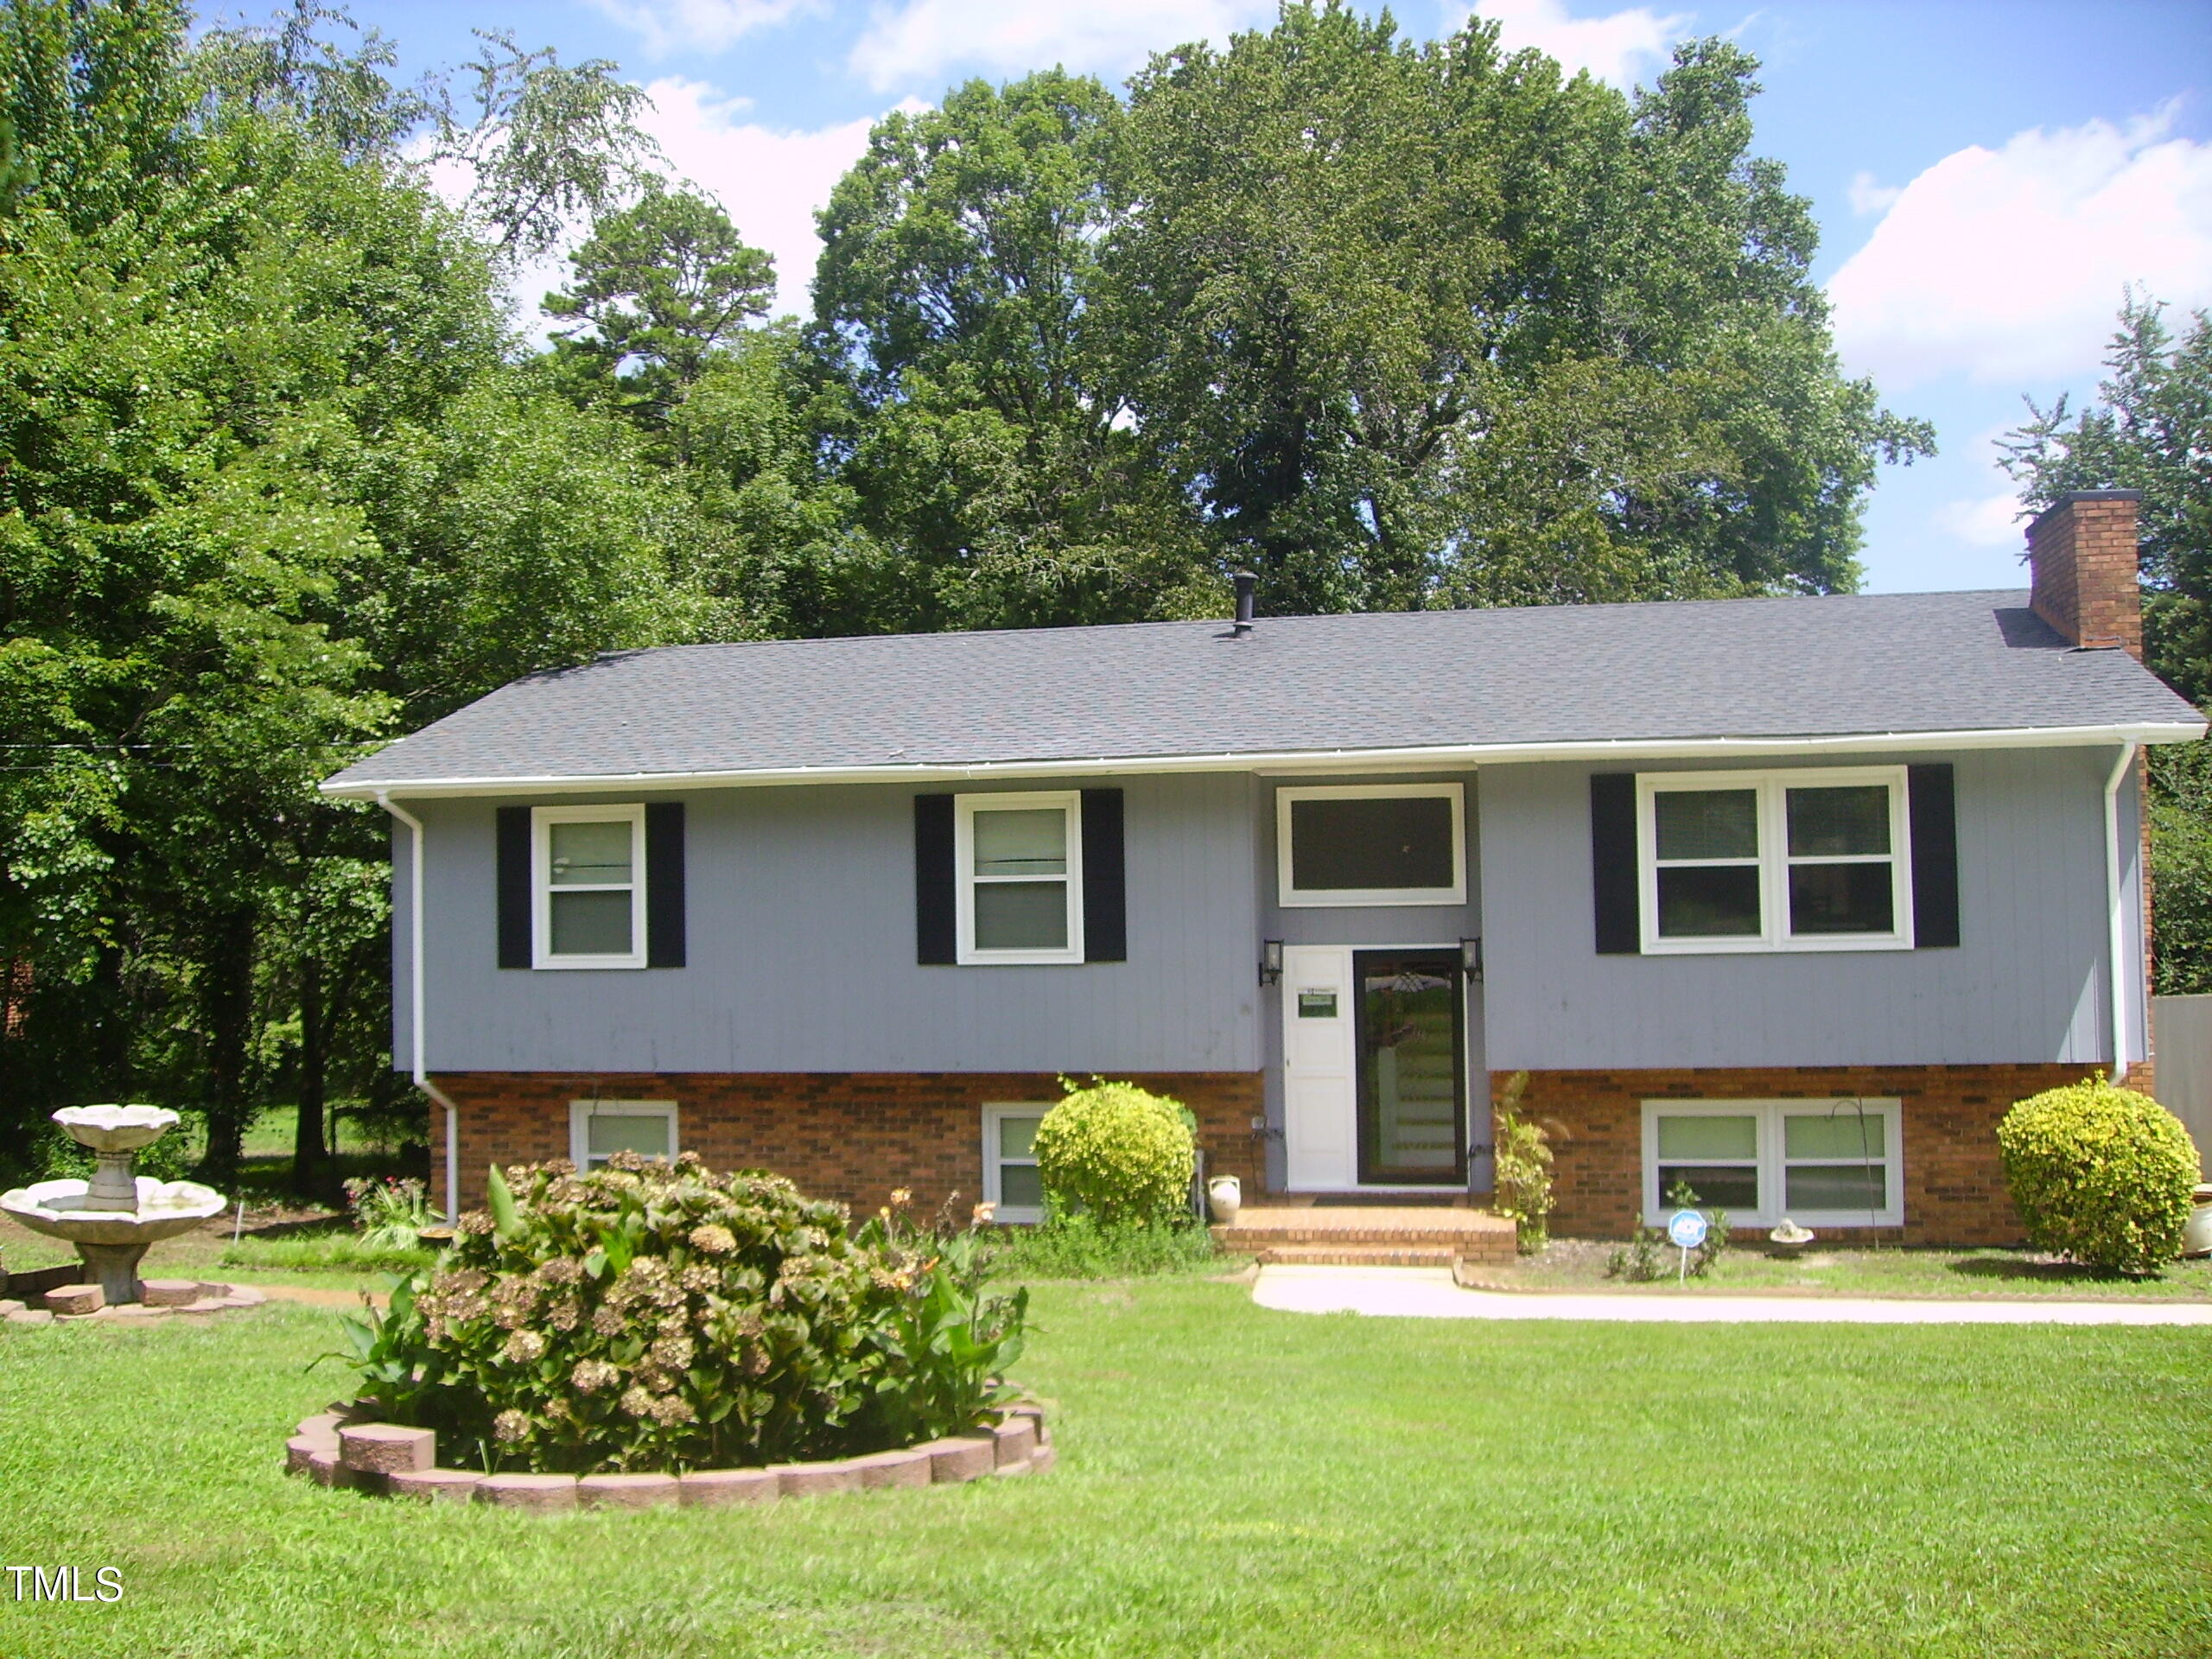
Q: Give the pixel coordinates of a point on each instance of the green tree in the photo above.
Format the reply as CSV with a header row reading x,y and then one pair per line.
x,y
957,289
2150,428
660,286
1429,324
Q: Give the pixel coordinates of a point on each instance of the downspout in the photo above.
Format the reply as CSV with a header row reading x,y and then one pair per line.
x,y
2117,945
421,1077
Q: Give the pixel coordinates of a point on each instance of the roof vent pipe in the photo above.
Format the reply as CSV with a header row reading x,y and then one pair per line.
x,y
1246,583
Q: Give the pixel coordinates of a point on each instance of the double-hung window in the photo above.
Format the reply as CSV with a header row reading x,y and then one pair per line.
x,y
1813,860
600,1129
1010,1176
1832,1163
1019,859
589,886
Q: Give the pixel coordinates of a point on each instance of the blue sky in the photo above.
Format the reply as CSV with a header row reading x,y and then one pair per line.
x,y
1987,176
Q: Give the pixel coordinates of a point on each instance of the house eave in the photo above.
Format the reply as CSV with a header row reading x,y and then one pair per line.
x,y
1302,763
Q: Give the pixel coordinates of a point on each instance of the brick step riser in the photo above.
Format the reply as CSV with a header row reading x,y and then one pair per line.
x,y
1272,1237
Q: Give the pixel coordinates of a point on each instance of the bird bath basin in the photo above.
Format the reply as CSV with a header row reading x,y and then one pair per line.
x,y
113,1217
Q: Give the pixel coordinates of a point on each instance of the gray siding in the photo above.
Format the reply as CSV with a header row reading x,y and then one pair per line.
x,y
801,951
2027,983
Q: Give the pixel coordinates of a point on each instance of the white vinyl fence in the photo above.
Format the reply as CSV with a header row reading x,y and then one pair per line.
x,y
2183,1028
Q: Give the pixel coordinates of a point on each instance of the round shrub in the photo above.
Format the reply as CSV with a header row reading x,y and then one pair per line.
x,y
1117,1151
644,1316
2100,1174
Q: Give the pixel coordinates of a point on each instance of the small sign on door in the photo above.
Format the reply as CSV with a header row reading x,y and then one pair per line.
x,y
1317,1005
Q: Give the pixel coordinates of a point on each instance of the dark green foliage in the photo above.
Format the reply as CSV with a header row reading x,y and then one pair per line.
x,y
2100,1174
644,1316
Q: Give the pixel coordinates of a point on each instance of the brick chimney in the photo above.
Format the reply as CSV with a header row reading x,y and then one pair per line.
x,y
2082,551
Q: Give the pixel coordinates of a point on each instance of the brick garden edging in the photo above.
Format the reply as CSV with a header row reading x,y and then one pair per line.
x,y
72,1304
394,1461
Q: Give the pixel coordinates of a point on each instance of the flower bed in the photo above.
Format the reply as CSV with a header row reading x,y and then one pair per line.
x,y
397,1461
646,1317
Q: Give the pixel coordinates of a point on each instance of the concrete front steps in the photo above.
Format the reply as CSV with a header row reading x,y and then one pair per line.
x,y
1382,1234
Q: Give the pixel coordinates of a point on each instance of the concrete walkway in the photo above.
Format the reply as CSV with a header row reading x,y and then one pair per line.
x,y
1429,1294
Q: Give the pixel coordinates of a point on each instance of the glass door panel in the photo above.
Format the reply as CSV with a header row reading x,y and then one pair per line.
x,y
1413,1103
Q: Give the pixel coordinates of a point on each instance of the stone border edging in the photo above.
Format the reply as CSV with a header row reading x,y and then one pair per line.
x,y
74,1303
395,1461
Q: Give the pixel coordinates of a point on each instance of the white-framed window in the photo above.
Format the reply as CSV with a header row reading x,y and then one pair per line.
x,y
1010,1178
1807,860
600,1129
587,886
1371,844
1019,859
1823,1163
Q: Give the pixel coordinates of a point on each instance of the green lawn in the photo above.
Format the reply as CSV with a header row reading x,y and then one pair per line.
x,y
1233,1482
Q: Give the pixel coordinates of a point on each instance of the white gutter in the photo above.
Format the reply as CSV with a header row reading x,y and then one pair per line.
x,y
2116,944
417,1073
1433,756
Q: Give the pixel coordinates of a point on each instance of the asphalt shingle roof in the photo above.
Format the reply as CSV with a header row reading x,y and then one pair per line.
x,y
1749,668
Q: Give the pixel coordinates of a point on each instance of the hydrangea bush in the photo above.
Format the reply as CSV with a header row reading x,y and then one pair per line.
x,y
644,1316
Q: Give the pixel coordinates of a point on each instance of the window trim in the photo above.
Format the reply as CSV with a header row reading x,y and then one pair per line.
x,y
1774,861
1292,896
542,818
1773,1163
966,953
994,1113
581,1113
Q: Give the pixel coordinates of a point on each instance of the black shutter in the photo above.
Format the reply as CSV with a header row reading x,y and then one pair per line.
x,y
665,884
1933,812
514,878
1613,863
936,937
1105,894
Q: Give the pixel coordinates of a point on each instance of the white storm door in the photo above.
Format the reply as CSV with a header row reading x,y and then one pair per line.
x,y
1318,1072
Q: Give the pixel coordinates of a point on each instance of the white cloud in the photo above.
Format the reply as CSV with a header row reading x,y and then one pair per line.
x,y
1869,198
1618,47
916,42
696,25
1986,520
2006,265
769,179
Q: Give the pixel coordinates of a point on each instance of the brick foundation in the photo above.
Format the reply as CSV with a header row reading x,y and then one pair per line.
x,y
1955,1190
853,1136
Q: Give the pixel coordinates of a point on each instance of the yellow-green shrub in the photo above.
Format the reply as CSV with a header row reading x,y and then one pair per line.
x,y
1119,1152
2100,1174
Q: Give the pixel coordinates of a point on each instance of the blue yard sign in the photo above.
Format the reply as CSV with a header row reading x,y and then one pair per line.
x,y
1685,1231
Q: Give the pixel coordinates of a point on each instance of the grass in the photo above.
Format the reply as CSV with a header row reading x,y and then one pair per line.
x,y
1579,1264
1233,1482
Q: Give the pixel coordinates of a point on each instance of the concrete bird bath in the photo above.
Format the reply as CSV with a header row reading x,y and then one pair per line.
x,y
112,1219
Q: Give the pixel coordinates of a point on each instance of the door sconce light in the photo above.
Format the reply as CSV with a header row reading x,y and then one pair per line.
x,y
1471,957
1270,961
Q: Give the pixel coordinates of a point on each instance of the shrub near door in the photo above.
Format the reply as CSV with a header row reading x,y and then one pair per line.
x,y
2100,1173
1120,1153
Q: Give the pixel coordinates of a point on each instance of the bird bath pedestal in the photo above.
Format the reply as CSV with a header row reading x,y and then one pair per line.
x,y
113,1217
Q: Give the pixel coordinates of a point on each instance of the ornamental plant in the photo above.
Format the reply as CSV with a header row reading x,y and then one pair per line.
x,y
2100,1174
1524,1170
1122,1153
649,1316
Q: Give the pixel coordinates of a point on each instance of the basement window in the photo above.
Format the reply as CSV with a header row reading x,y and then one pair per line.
x,y
1010,1178
1823,1163
600,1129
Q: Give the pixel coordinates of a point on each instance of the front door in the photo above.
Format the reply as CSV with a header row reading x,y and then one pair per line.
x,y
1412,1069
1374,1068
